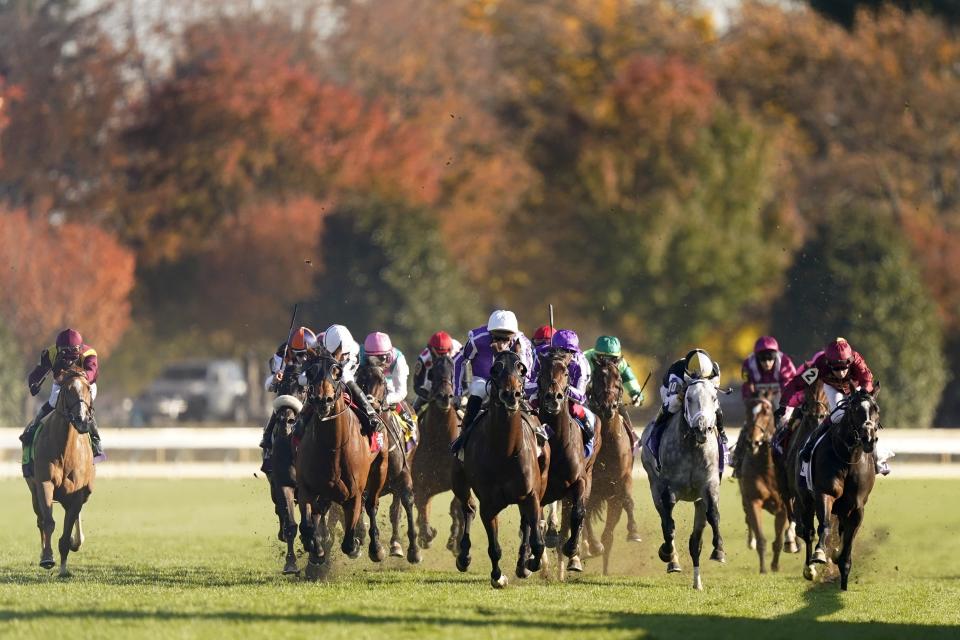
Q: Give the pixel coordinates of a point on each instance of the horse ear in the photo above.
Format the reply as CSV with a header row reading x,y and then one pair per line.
x,y
497,369
876,389
523,369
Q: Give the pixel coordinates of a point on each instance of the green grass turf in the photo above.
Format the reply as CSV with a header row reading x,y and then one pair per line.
x,y
185,558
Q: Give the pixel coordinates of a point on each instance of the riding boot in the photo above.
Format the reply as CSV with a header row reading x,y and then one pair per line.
x,y
807,452
739,451
659,424
473,408
419,403
368,420
720,432
31,430
266,442
628,425
95,439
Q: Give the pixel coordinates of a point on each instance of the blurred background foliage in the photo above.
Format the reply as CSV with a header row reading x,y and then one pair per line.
x,y
174,176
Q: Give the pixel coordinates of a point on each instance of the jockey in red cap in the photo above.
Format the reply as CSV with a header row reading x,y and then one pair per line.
x,y
69,350
543,336
440,344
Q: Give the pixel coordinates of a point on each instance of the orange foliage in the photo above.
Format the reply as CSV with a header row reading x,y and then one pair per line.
x,y
68,274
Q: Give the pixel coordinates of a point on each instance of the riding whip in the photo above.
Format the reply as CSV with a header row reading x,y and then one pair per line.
x,y
286,345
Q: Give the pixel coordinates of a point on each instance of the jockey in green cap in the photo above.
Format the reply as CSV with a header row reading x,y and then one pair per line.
x,y
608,348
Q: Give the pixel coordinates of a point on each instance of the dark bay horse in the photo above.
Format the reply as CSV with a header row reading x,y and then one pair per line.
x,y
843,469
500,464
759,489
613,468
283,477
371,380
63,467
690,472
569,475
433,466
335,464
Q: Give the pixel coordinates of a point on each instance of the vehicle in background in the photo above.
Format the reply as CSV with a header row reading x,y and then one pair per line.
x,y
195,390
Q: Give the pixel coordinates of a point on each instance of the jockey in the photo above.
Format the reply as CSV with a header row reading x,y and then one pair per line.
x,y
339,343
608,348
542,338
842,371
501,333
578,369
67,351
440,344
379,350
288,360
767,369
697,364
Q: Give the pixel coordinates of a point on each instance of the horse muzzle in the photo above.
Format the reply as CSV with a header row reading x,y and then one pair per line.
x,y
511,399
443,400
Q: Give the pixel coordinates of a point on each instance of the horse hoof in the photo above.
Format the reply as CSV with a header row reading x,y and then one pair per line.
x,y
424,543
819,557
551,538
47,563
698,583
396,550
290,568
791,547
413,555
376,552
64,574
751,542
575,564
665,553
463,563
719,556
809,572
451,545
634,537
522,572
533,563
312,571
431,534
499,583
596,550
673,567
775,567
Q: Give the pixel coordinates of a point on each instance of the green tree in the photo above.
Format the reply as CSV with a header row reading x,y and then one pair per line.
x,y
845,11
386,269
12,384
856,279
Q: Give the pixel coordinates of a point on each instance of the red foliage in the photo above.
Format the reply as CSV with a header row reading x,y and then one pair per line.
x,y
68,274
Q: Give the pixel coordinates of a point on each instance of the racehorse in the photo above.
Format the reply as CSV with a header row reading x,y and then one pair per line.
x,y
371,380
63,467
336,463
283,476
439,425
501,465
689,471
758,483
812,412
570,472
613,469
843,471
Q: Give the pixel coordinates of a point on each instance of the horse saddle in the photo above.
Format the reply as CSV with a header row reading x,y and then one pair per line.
x,y
806,468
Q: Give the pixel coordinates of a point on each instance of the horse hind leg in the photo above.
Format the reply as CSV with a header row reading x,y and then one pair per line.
x,y
696,541
552,537
45,522
752,509
845,558
413,550
396,546
288,522
628,506
65,542
781,528
76,539
615,509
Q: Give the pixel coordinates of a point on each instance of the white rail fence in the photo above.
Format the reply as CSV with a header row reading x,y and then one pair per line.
x,y
234,452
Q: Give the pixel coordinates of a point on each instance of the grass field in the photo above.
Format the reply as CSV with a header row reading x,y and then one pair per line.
x,y
179,559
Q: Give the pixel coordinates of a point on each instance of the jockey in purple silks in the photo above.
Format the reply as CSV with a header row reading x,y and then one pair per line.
x,y
501,333
579,371
768,370
69,350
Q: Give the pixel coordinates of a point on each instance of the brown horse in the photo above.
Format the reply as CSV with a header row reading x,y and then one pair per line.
x,y
570,474
439,426
283,476
63,467
399,483
811,413
500,464
613,469
758,482
843,469
335,464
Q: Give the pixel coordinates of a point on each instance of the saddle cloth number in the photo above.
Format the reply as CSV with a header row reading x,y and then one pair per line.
x,y
810,375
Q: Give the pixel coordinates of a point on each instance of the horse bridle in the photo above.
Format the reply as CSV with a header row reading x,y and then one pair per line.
x,y
435,385
689,430
70,414
493,388
543,385
597,392
859,431
338,385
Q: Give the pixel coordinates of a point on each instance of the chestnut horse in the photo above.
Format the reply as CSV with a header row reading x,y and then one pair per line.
x,y
843,469
501,465
759,489
613,469
335,464
439,426
570,473
371,380
63,467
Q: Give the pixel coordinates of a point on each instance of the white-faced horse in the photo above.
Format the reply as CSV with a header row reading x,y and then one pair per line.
x,y
689,471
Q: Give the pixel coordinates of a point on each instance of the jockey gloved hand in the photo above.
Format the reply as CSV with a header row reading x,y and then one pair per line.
x,y
637,400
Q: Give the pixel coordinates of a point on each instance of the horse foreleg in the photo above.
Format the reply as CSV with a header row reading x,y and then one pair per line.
x,y
489,517
780,527
396,547
712,500
615,509
696,540
552,538
577,511
523,553
845,559
426,533
665,501
413,550
753,511
76,540
627,504
372,503
461,490
824,506
288,522
72,513
44,497
456,524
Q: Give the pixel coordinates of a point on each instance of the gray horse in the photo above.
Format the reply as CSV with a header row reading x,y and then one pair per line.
x,y
689,471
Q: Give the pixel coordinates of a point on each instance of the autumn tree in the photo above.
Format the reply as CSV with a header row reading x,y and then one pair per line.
x,y
63,274
845,11
855,278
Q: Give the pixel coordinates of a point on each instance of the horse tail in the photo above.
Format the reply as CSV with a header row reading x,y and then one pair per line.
x,y
595,510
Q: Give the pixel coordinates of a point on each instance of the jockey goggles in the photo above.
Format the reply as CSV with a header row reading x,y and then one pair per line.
x,y
767,355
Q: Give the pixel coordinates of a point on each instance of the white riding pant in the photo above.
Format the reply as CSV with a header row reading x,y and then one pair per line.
x,y
55,393
478,387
